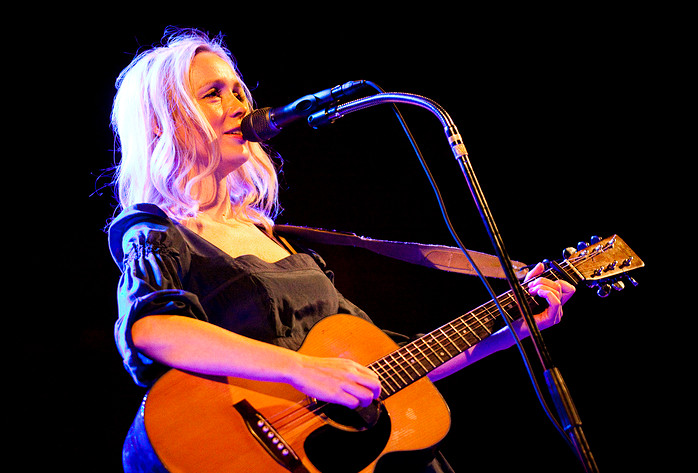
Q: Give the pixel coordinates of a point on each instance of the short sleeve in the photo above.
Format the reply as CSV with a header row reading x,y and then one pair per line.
x,y
154,259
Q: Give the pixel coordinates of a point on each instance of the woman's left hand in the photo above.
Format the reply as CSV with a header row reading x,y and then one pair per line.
x,y
556,293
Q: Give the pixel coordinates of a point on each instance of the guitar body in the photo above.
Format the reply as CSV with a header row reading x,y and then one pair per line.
x,y
197,424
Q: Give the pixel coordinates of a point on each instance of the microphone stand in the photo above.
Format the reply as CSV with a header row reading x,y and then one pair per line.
x,y
562,399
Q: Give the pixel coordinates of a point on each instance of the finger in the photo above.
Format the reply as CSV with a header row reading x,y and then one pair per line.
x,y
562,289
546,282
370,380
360,394
364,376
537,269
551,296
551,292
554,304
568,291
543,284
345,399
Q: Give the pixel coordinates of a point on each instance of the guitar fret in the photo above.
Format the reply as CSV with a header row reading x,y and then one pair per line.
x,y
444,351
423,354
397,372
451,341
415,359
392,372
387,380
468,345
428,352
407,364
432,348
483,325
471,331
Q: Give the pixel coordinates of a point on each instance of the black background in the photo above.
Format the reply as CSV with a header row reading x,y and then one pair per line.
x,y
560,113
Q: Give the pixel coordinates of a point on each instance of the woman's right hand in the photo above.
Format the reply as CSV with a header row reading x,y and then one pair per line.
x,y
336,380
194,345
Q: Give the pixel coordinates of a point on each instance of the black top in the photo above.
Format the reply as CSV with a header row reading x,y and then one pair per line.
x,y
169,269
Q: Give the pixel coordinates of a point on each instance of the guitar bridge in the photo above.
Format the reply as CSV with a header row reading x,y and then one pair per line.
x,y
269,438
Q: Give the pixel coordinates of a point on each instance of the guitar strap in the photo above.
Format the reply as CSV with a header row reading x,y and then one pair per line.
x,y
445,258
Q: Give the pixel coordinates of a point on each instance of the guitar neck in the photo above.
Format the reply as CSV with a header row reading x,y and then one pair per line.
x,y
421,356
606,262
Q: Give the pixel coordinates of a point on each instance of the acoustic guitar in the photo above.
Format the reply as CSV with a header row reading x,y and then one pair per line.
x,y
190,423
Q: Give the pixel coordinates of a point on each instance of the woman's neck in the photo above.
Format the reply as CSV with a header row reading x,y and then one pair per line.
x,y
219,207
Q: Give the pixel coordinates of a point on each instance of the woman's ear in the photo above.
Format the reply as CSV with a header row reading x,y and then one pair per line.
x,y
157,131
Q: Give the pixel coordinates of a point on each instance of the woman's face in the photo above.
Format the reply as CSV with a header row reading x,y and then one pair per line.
x,y
219,93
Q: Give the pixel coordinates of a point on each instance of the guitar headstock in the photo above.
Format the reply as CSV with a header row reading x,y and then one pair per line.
x,y
605,264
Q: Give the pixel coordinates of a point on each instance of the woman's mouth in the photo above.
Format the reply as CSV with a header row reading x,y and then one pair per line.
x,y
235,133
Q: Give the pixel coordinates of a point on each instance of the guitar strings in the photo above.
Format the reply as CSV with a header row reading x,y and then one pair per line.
x,y
293,420
440,336
301,412
296,416
383,366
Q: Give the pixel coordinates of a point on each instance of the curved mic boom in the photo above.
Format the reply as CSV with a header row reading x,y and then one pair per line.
x,y
265,123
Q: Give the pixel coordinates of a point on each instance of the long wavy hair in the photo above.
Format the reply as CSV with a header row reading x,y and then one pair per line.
x,y
159,125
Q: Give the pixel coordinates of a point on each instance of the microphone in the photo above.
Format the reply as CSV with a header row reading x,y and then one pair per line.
x,y
264,123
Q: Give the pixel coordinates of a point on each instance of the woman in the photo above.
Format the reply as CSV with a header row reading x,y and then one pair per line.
x,y
206,285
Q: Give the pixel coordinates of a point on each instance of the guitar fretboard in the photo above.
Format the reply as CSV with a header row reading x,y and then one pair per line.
x,y
419,357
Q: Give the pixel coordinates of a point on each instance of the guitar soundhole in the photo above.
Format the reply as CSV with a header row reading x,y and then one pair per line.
x,y
351,440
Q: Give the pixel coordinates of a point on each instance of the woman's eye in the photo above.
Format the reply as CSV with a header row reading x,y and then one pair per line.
x,y
212,93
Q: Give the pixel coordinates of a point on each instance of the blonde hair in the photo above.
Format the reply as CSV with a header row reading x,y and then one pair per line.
x,y
159,125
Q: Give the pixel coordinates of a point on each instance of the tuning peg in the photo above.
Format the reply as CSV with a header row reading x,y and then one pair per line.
x,y
631,280
581,245
604,290
568,252
618,285
595,239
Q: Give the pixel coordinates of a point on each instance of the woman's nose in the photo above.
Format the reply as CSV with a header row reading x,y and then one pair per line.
x,y
237,108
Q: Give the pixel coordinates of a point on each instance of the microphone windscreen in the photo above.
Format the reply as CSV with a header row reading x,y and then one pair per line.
x,y
257,126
